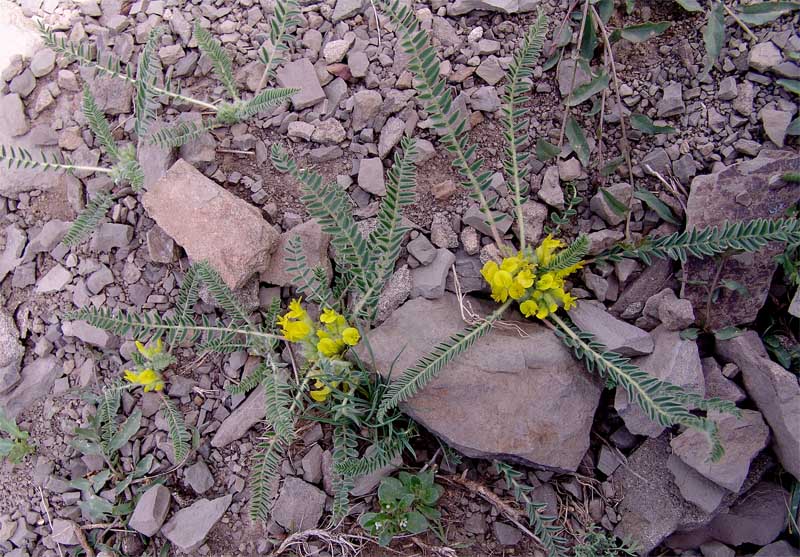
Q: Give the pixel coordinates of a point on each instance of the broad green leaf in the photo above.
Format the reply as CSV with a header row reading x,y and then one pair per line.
x,y
81,484
99,480
10,426
616,205
605,9
714,33
85,447
553,60
690,334
566,35
545,150
588,90
96,507
611,166
391,489
644,31
126,431
791,85
661,208
645,125
589,42
735,286
794,127
578,141
143,466
629,6
765,12
690,5
416,522
727,333
5,447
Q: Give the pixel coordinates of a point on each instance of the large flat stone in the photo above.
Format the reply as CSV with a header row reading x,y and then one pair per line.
x,y
211,224
744,191
315,247
188,528
508,396
245,416
615,334
300,74
299,506
38,379
461,7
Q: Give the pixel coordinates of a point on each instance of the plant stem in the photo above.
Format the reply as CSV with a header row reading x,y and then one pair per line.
x,y
574,74
741,23
713,287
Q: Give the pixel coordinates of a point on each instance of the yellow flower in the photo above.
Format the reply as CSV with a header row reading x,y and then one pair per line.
x,y
544,253
511,264
328,316
350,336
524,278
488,271
328,347
546,282
296,311
151,352
294,331
569,301
320,392
528,308
148,378
516,291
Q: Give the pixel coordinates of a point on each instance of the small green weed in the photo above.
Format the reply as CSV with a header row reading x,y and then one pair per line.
x,y
16,448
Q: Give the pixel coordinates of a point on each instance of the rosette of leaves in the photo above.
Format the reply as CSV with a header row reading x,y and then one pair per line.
x,y
407,506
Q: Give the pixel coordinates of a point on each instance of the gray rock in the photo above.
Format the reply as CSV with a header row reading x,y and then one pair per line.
x,y
395,293
299,506
38,378
23,85
315,247
794,307
671,104
12,115
534,215
485,99
764,56
112,95
109,236
676,314
442,233
54,281
188,528
11,256
11,352
461,7
88,333
490,70
658,161
727,89
329,132
364,485
366,105
719,386
312,465
64,532
758,518
505,534
211,223
370,176
743,438
154,159
245,416
622,192
473,398
43,62
741,192
685,168
716,549
570,170
615,334
300,74
391,133
550,192
776,123
694,487
422,250
674,360
475,218
775,392
345,9
47,238
777,549
565,72
160,247
301,130
151,510
199,477
98,280
429,281
358,62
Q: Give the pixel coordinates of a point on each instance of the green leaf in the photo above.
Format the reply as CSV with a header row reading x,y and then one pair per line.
x,y
565,37
5,446
727,333
99,480
589,42
644,32
143,466
605,9
735,286
690,5
96,507
765,12
10,426
645,125
690,334
794,127
578,141
416,522
661,208
616,205
588,90
545,150
391,489
714,34
629,6
791,85
611,166
126,431
551,62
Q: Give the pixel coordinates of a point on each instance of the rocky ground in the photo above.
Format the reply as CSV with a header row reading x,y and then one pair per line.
x,y
594,458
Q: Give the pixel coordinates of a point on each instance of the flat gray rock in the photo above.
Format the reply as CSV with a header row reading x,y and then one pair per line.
x,y
480,403
615,334
188,528
461,7
37,380
299,506
11,352
370,176
245,416
151,510
430,281
758,518
300,74
211,223
315,247
778,549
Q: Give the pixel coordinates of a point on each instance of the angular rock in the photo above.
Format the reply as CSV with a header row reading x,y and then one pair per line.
x,y
676,314
695,487
160,247
54,281
211,223
461,7
329,132
366,105
64,532
775,392
764,56
38,378
300,74
743,438
569,77
674,360
245,416
429,281
315,247
472,401
370,176
534,216
777,549
199,477
345,9
364,485
622,192
490,70
110,235
615,334
550,192
758,518
11,256
671,104
716,549
719,386
151,510
188,528
12,115
422,250
88,333
312,465
154,159
112,96
43,62
11,352
776,123
299,506
394,293
741,192
391,133
485,99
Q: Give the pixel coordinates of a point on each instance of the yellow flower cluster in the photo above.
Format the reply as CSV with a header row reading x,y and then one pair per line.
x,y
148,378
332,336
517,278
328,339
